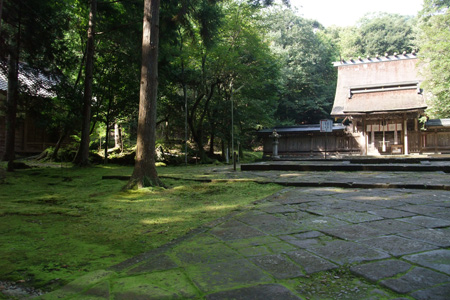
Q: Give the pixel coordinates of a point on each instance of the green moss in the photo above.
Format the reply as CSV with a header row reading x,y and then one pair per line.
x,y
338,284
57,224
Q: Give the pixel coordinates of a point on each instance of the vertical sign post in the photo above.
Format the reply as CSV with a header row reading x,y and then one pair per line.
x,y
326,126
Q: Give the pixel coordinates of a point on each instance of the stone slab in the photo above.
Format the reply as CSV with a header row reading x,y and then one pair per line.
x,y
80,284
438,260
437,237
311,263
390,226
416,279
172,284
100,291
342,252
318,223
325,211
298,216
270,224
226,275
428,222
236,232
353,232
398,246
202,254
441,292
259,292
278,266
390,213
280,247
254,241
278,209
378,270
254,251
308,235
157,263
356,217
306,243
419,209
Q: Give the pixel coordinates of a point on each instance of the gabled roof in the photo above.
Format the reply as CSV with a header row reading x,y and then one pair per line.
x,y
379,84
32,81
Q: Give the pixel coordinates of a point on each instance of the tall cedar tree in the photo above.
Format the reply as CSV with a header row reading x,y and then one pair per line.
x,y
145,173
82,157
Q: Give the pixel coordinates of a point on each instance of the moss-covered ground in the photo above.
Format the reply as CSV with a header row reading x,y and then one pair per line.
x,y
58,223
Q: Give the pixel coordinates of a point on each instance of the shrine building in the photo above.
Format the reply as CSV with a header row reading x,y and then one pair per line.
x,y
377,107
381,101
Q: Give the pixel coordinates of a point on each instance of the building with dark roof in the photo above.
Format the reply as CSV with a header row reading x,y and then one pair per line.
x,y
382,99
31,135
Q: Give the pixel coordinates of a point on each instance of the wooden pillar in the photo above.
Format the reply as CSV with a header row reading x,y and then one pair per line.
x,y
364,135
435,142
416,129
373,137
405,135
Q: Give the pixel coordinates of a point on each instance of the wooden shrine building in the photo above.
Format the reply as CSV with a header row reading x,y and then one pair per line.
x,y
377,107
31,136
381,100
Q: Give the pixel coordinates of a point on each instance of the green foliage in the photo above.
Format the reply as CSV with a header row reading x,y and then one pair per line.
x,y
434,41
308,79
376,33
65,222
206,70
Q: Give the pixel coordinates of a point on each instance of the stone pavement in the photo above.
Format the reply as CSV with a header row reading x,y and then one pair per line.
x,y
301,243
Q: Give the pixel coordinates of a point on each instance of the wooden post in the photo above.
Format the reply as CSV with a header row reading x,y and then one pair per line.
x,y
365,137
435,142
405,134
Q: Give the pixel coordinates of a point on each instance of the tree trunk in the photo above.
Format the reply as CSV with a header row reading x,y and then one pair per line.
x,y
211,144
116,136
82,158
119,129
58,146
1,13
105,160
11,111
144,173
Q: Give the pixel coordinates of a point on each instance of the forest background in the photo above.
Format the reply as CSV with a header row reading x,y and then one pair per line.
x,y
224,66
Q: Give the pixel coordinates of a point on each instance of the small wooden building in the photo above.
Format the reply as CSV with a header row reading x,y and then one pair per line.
x,y
31,136
308,140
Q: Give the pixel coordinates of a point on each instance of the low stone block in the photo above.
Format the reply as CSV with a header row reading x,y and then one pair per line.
x,y
375,271
398,246
311,263
278,266
259,292
417,279
342,252
438,260
226,275
441,292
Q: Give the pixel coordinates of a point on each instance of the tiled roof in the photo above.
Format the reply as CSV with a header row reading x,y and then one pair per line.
x,y
376,59
31,82
299,128
438,123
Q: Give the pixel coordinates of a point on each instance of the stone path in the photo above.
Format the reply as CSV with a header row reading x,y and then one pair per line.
x,y
301,243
